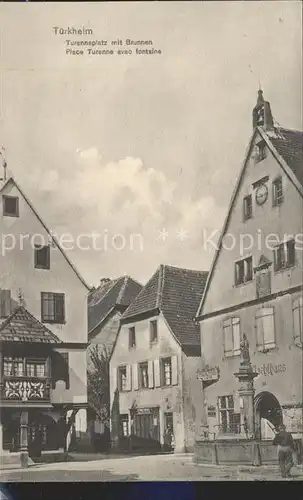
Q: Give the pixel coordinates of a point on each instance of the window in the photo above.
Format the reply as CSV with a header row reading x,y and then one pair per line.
x,y
229,420
143,375
284,255
231,335
34,369
166,371
11,206
297,310
42,257
132,337
13,367
52,305
124,425
122,378
153,325
277,192
260,151
243,271
265,326
247,207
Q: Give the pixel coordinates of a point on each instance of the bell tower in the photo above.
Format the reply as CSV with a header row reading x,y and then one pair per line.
x,y
262,116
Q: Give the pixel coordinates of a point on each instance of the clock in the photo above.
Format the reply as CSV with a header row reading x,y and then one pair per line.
x,y
261,194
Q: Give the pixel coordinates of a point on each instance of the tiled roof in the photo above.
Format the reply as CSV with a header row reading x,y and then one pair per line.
x,y
176,293
118,292
21,326
289,145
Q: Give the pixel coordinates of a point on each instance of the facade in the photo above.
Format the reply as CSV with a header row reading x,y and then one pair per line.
x,y
154,389
106,305
255,287
43,333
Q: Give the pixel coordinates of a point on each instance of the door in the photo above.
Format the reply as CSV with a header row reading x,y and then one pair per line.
x,y
146,426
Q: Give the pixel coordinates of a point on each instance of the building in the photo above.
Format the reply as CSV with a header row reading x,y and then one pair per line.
x,y
106,304
43,333
255,287
154,362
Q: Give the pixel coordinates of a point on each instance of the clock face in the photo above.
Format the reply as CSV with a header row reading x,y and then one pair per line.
x,y
261,194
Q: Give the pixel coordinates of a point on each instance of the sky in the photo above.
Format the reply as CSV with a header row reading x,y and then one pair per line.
x,y
135,156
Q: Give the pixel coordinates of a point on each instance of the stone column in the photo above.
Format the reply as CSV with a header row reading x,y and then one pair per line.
x,y
24,439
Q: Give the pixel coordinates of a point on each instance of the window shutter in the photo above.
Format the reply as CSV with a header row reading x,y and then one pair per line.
x,y
236,334
157,373
259,331
298,319
150,374
291,253
5,303
269,327
174,370
228,337
128,378
135,377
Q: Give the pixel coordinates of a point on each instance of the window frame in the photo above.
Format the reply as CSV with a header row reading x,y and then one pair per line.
x,y
259,315
229,412
143,365
24,362
120,381
247,214
231,322
153,328
132,337
37,249
45,318
124,419
277,200
162,371
9,214
261,148
286,262
240,261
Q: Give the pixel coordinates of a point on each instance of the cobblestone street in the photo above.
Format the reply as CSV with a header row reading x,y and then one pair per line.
x,y
143,468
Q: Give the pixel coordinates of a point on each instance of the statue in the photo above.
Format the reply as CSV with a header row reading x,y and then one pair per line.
x,y
244,349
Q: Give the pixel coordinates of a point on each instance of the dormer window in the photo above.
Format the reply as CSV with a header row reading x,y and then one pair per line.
x,y
10,206
260,151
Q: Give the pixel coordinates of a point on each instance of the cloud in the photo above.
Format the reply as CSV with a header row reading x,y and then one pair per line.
x,y
126,198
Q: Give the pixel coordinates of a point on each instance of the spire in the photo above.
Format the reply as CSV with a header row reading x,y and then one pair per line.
x,y
262,116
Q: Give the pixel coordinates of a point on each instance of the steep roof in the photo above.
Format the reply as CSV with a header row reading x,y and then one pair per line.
x,y
289,144
118,293
22,326
51,236
176,292
286,146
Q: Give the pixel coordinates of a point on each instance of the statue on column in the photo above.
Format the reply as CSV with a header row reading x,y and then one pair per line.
x,y
244,350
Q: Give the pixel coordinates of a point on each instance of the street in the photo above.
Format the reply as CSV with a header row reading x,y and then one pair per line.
x,y
142,468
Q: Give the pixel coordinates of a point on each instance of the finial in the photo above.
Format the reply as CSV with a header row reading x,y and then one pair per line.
x,y
260,96
20,297
4,164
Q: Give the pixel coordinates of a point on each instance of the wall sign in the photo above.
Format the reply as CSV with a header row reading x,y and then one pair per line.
x,y
269,369
211,411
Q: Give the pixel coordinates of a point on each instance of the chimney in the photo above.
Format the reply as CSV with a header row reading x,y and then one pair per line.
x,y
262,116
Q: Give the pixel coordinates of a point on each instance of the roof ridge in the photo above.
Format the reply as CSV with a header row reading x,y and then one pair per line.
x,y
184,269
160,286
122,289
49,232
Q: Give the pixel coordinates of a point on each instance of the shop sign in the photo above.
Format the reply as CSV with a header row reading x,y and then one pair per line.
x,y
269,369
144,411
209,374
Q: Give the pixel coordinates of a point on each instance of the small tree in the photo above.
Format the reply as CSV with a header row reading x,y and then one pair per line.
x,y
98,383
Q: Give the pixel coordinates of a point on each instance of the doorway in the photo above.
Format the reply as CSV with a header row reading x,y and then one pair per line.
x,y
146,429
268,415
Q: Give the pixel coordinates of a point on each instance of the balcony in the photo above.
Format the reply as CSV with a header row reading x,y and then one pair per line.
x,y
23,389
